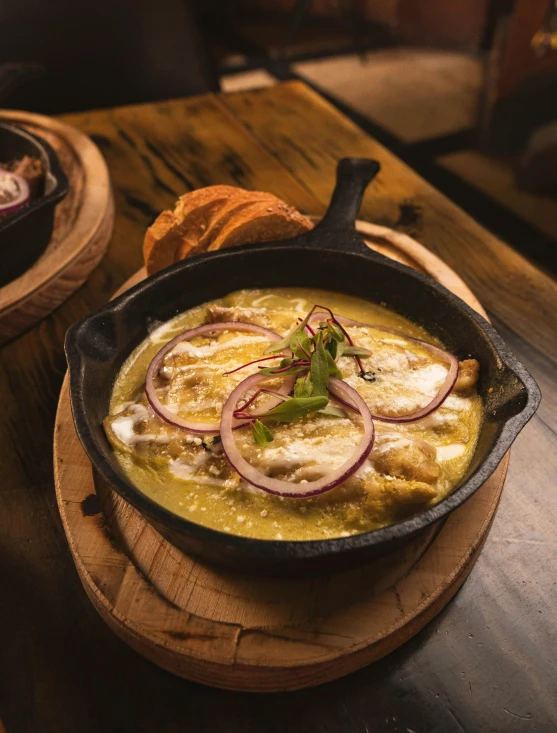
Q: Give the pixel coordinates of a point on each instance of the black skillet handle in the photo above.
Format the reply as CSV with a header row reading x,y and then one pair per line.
x,y
353,177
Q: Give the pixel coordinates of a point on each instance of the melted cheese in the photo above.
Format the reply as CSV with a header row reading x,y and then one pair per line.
x,y
300,305
202,352
448,452
457,403
437,419
187,471
124,427
325,455
195,407
196,481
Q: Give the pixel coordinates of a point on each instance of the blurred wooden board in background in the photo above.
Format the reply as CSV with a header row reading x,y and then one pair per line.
x,y
82,228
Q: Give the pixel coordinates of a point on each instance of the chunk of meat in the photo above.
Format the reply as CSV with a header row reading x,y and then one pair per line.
x,y
219,313
404,494
281,321
468,373
32,170
387,501
347,493
414,460
183,380
397,499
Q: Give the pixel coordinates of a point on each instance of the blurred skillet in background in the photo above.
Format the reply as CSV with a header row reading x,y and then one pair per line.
x,y
331,256
26,231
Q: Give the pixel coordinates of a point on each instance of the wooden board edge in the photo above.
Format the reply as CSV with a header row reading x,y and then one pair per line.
x,y
21,315
428,261
89,155
258,679
240,676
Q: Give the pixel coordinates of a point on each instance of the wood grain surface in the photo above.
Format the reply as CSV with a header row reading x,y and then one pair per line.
x,y
261,634
486,663
82,228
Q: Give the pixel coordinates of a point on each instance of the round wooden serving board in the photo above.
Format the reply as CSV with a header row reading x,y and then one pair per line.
x,y
250,633
82,228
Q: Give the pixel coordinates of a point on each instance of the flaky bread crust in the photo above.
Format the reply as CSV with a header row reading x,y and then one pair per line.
x,y
215,217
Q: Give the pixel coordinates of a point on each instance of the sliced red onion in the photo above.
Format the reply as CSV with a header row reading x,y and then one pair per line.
x,y
444,390
14,192
343,320
287,488
442,394
193,426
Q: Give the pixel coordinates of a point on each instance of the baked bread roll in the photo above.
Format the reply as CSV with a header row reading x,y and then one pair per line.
x,y
263,221
190,215
215,217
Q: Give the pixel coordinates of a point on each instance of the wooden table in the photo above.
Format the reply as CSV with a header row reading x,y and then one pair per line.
x,y
487,663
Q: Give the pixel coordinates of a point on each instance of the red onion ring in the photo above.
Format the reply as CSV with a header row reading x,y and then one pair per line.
x,y
286,488
341,319
200,427
9,180
444,390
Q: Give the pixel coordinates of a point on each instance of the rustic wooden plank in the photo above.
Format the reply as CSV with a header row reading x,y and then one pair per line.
x,y
522,300
496,177
198,145
81,232
398,87
486,663
172,147
509,286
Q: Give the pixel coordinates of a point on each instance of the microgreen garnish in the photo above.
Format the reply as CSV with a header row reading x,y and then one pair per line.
x,y
261,434
334,371
241,413
332,410
333,322
356,351
300,345
286,369
315,352
295,408
303,386
319,368
336,332
255,361
285,342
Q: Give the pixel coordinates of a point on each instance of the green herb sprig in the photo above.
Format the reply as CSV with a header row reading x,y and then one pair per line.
x,y
313,360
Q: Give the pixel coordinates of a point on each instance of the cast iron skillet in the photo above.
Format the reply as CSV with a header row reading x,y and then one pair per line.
x,y
24,236
331,256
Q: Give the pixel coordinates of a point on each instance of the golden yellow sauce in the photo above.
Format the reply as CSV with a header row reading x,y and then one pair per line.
x,y
411,467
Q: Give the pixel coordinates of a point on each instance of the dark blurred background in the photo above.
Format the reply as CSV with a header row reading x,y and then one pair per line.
x,y
464,91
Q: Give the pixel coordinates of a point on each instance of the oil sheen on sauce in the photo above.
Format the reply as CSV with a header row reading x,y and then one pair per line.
x,y
411,467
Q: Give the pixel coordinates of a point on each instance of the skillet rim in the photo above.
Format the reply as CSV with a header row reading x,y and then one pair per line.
x,y
292,549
